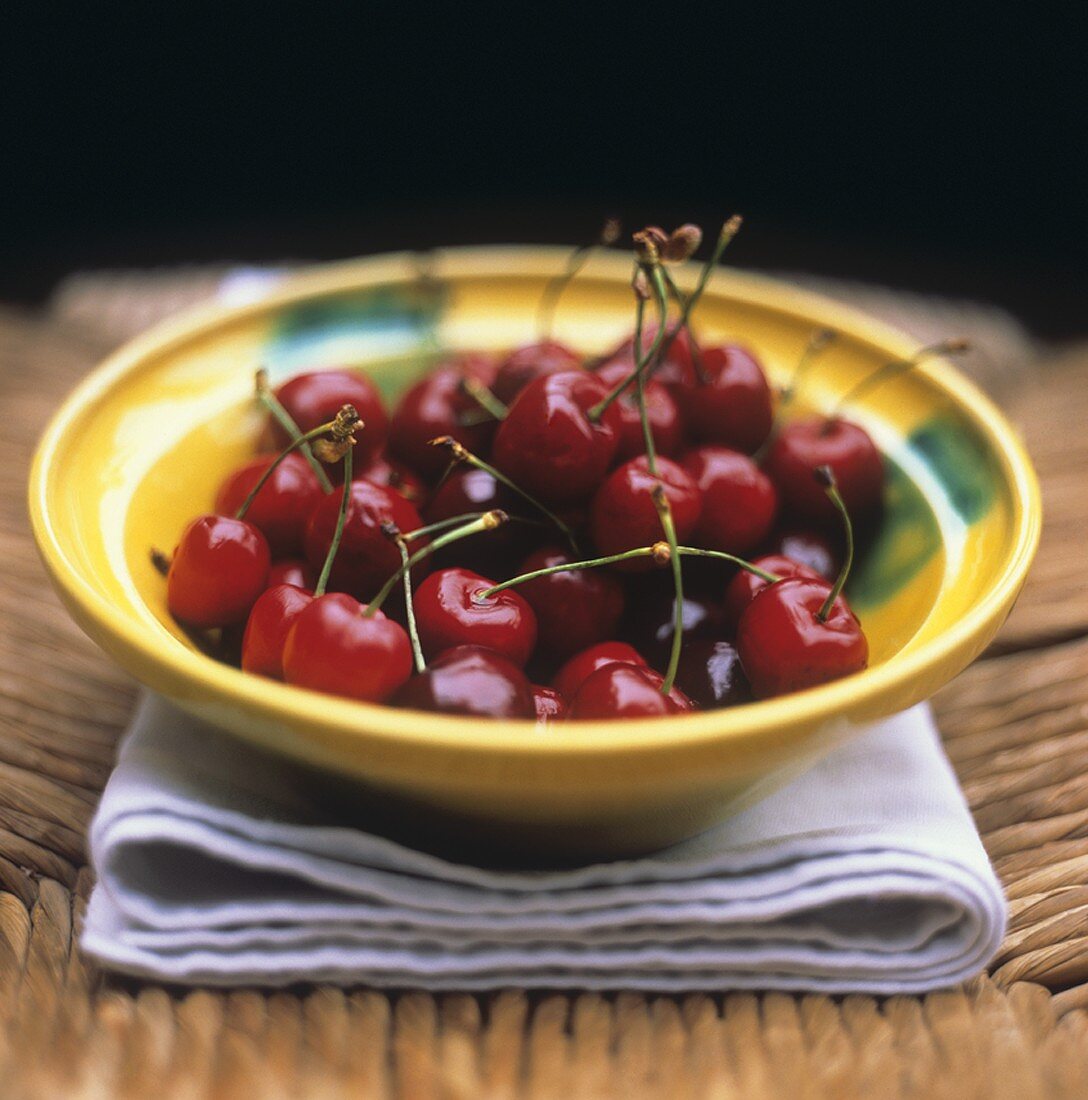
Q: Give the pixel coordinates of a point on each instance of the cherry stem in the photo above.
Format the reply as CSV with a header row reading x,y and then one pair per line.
x,y
818,342
721,555
487,522
696,354
640,381
409,605
826,478
577,260
338,533
484,398
664,512
275,407
462,454
341,427
896,367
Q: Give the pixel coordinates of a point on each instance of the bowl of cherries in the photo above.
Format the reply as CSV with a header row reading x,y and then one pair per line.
x,y
576,551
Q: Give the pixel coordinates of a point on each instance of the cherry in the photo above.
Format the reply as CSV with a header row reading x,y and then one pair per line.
x,y
574,609
812,548
569,678
549,704
450,612
651,622
367,557
802,446
739,501
661,411
745,586
315,398
395,475
438,405
269,622
281,507
219,569
711,676
624,516
332,646
525,364
625,691
731,404
549,446
784,645
292,571
473,680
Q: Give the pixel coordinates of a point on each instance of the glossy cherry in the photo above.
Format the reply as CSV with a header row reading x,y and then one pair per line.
x,y
315,398
711,676
267,628
529,362
661,411
218,570
802,446
450,612
333,647
472,680
810,547
739,501
569,678
623,515
745,586
574,609
650,622
783,645
292,571
549,447
367,557
438,405
550,706
396,475
625,691
731,403
284,502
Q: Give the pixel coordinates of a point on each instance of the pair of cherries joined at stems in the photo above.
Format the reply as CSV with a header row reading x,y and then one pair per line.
x,y
481,494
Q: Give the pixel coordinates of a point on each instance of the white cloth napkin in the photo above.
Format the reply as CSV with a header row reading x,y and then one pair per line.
x,y
215,866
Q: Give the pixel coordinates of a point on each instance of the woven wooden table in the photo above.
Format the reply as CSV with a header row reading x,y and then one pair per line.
x,y
1016,727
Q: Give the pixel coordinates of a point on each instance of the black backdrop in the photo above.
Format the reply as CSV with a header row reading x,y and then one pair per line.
x,y
939,149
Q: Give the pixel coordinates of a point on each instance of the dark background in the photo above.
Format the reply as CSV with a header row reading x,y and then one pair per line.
x,y
941,150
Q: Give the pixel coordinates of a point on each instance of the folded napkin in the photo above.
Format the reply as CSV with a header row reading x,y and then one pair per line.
x,y
216,865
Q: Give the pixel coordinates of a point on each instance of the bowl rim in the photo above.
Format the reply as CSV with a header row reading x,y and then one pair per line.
x,y
734,726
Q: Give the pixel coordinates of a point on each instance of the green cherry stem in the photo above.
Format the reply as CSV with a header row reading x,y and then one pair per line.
x,y
338,532
460,453
340,427
664,512
578,258
696,354
487,522
409,604
282,417
826,478
484,398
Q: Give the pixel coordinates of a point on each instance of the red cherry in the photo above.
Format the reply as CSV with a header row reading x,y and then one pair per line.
x,y
547,444
525,364
473,680
674,369
623,515
626,691
269,622
739,501
812,548
283,505
650,622
710,675
549,704
574,609
661,410
804,445
435,406
784,647
745,586
332,647
219,569
292,571
569,678
449,613
733,406
314,399
395,475
367,557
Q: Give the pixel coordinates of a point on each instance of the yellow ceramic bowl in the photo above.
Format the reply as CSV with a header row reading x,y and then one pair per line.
x,y
140,446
